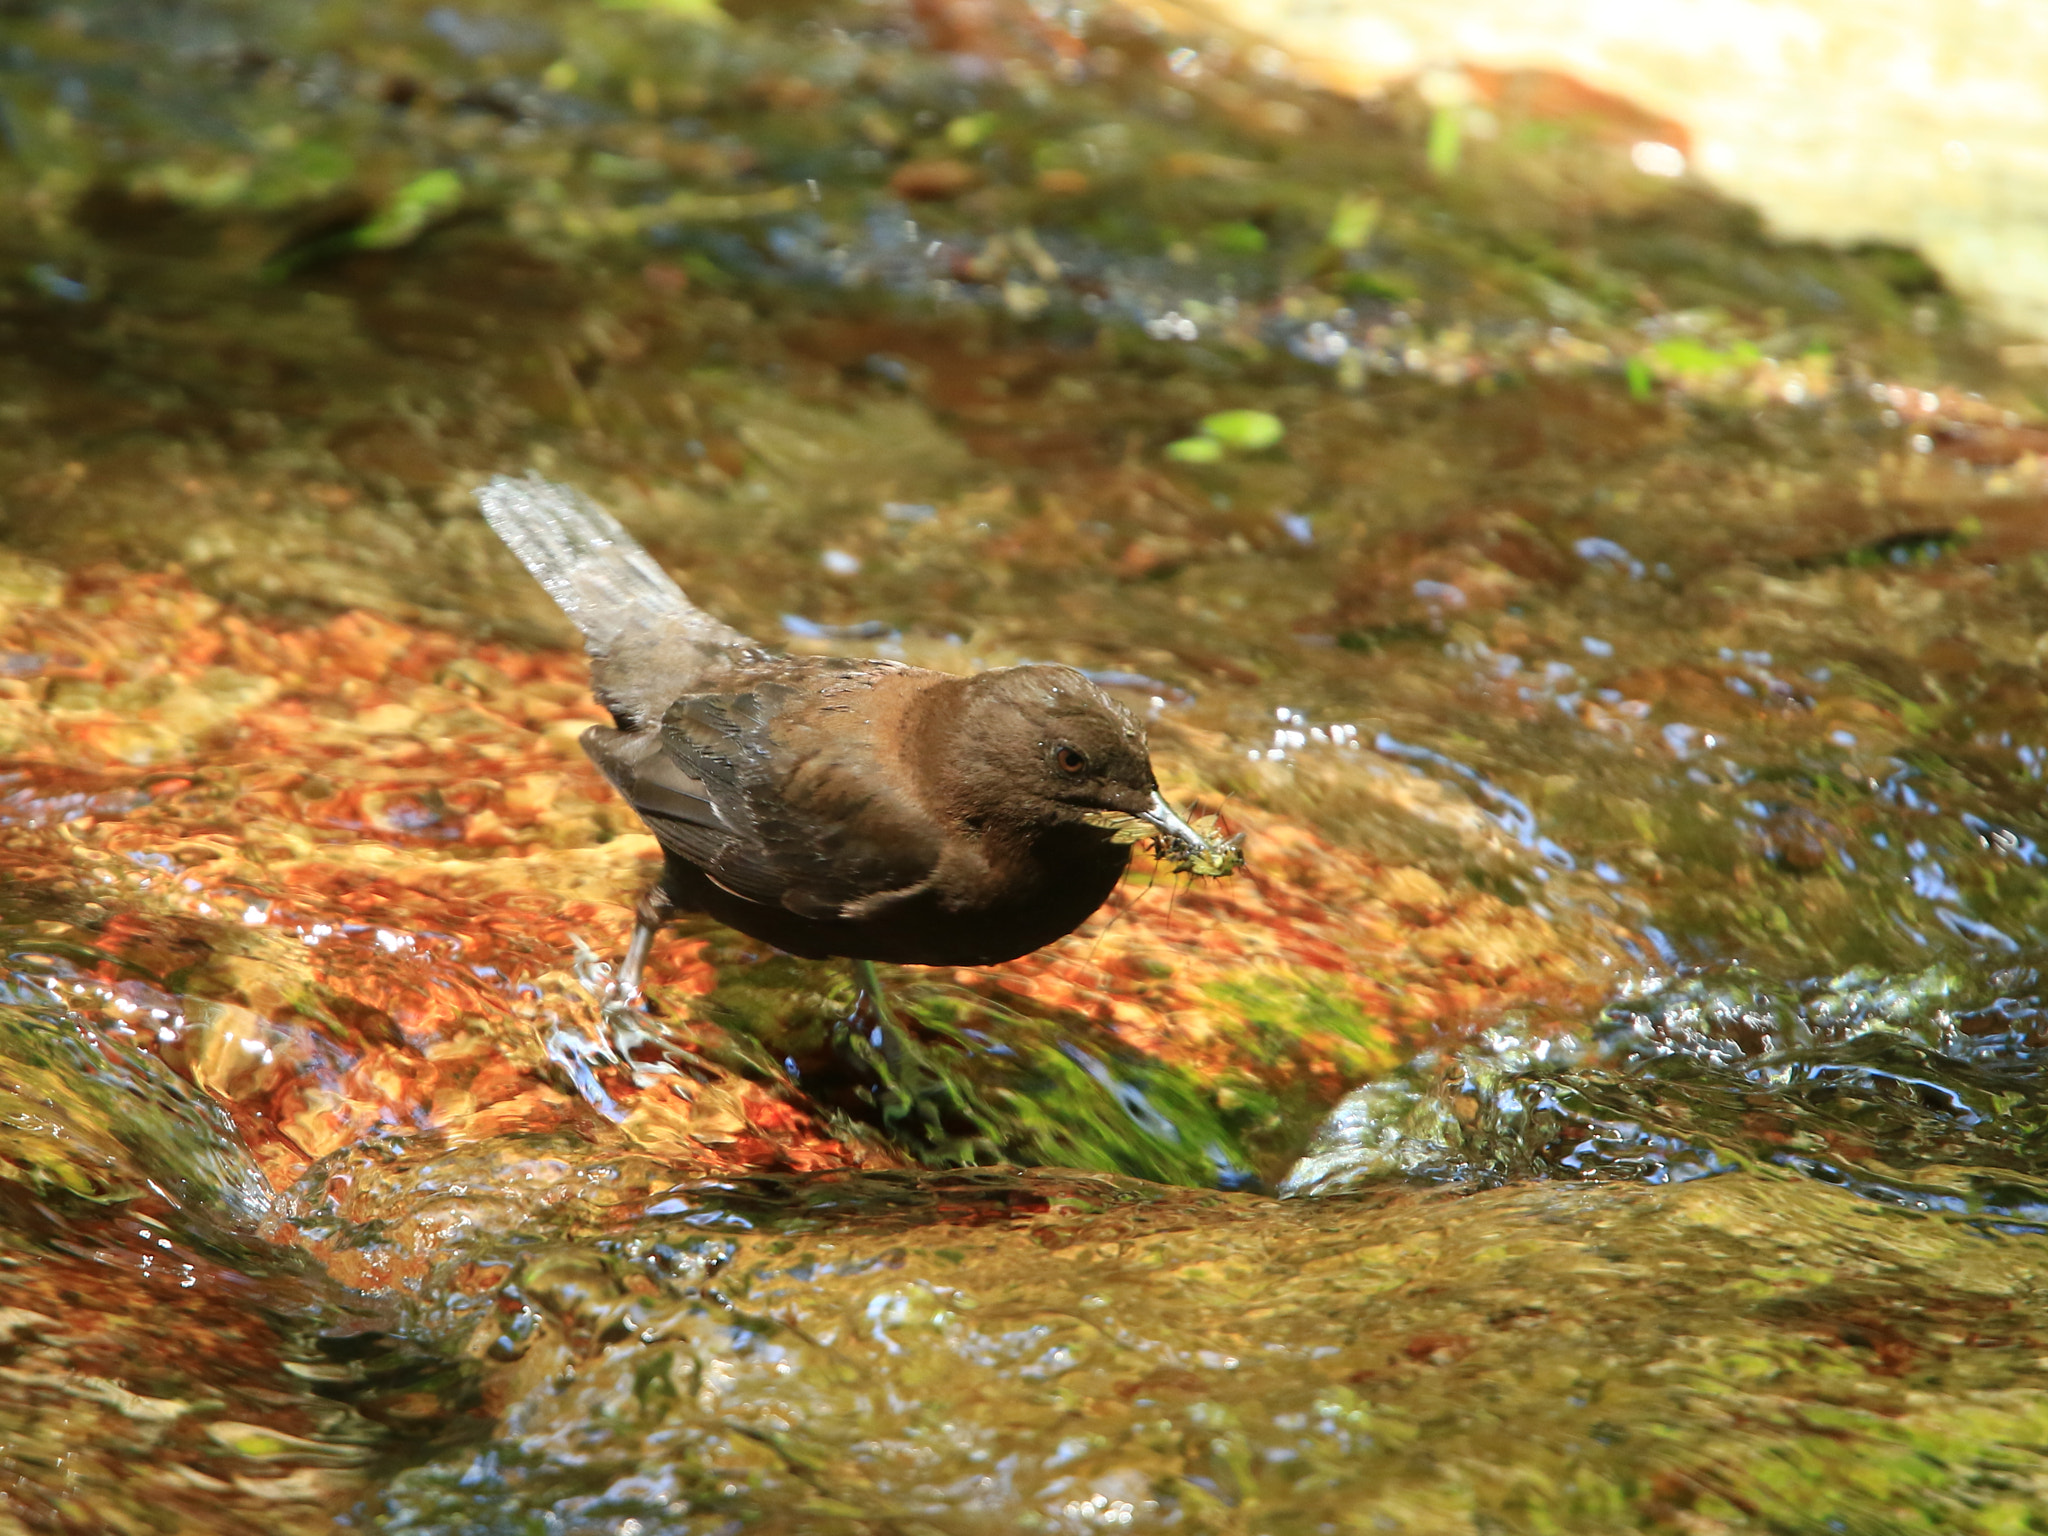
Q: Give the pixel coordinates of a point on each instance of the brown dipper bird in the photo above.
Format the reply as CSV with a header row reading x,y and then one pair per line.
x,y
863,809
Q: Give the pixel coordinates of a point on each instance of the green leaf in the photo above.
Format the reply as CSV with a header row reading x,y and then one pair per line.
x,y
688,10
1245,431
1446,137
415,205
1238,238
1640,384
966,132
1351,226
1689,357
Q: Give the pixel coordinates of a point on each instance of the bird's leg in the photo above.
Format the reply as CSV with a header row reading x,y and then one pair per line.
x,y
870,985
655,909
889,1054
626,1027
910,1093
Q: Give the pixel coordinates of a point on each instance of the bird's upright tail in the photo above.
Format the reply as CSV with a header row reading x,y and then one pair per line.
x,y
647,642
609,586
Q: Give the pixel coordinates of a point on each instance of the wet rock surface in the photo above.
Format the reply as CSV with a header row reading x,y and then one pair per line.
x,y
1617,636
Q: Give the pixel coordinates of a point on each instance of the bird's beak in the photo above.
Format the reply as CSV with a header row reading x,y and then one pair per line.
x,y
1168,820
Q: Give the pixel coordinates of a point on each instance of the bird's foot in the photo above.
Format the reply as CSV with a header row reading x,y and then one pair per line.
x,y
624,1024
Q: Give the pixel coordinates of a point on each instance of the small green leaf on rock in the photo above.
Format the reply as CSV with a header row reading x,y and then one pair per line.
x,y
1351,226
262,1442
1245,431
689,10
1240,237
1446,138
1691,358
415,205
1195,450
966,132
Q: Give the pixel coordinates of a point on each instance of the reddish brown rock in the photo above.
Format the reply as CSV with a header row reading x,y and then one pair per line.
x,y
933,181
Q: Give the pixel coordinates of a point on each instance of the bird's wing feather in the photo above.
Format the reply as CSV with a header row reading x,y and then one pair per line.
x,y
649,641
641,769
802,832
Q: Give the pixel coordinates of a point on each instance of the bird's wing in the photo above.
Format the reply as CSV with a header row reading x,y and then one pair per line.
x,y
806,832
675,805
648,640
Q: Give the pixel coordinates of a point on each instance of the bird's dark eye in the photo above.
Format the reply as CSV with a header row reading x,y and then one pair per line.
x,y
1071,760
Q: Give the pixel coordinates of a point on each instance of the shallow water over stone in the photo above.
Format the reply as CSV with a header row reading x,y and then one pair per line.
x,y
1619,639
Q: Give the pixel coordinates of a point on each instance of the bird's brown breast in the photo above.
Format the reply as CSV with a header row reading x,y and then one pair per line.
x,y
1014,911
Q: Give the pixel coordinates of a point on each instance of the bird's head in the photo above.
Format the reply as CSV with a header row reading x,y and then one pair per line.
x,y
1038,747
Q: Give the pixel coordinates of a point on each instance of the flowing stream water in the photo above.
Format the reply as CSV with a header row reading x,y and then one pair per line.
x,y
1610,1099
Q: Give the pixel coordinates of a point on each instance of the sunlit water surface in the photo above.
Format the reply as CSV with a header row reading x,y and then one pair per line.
x,y
1611,1100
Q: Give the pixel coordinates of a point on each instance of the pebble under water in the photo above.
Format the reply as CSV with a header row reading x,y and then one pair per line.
x,y
1610,1097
